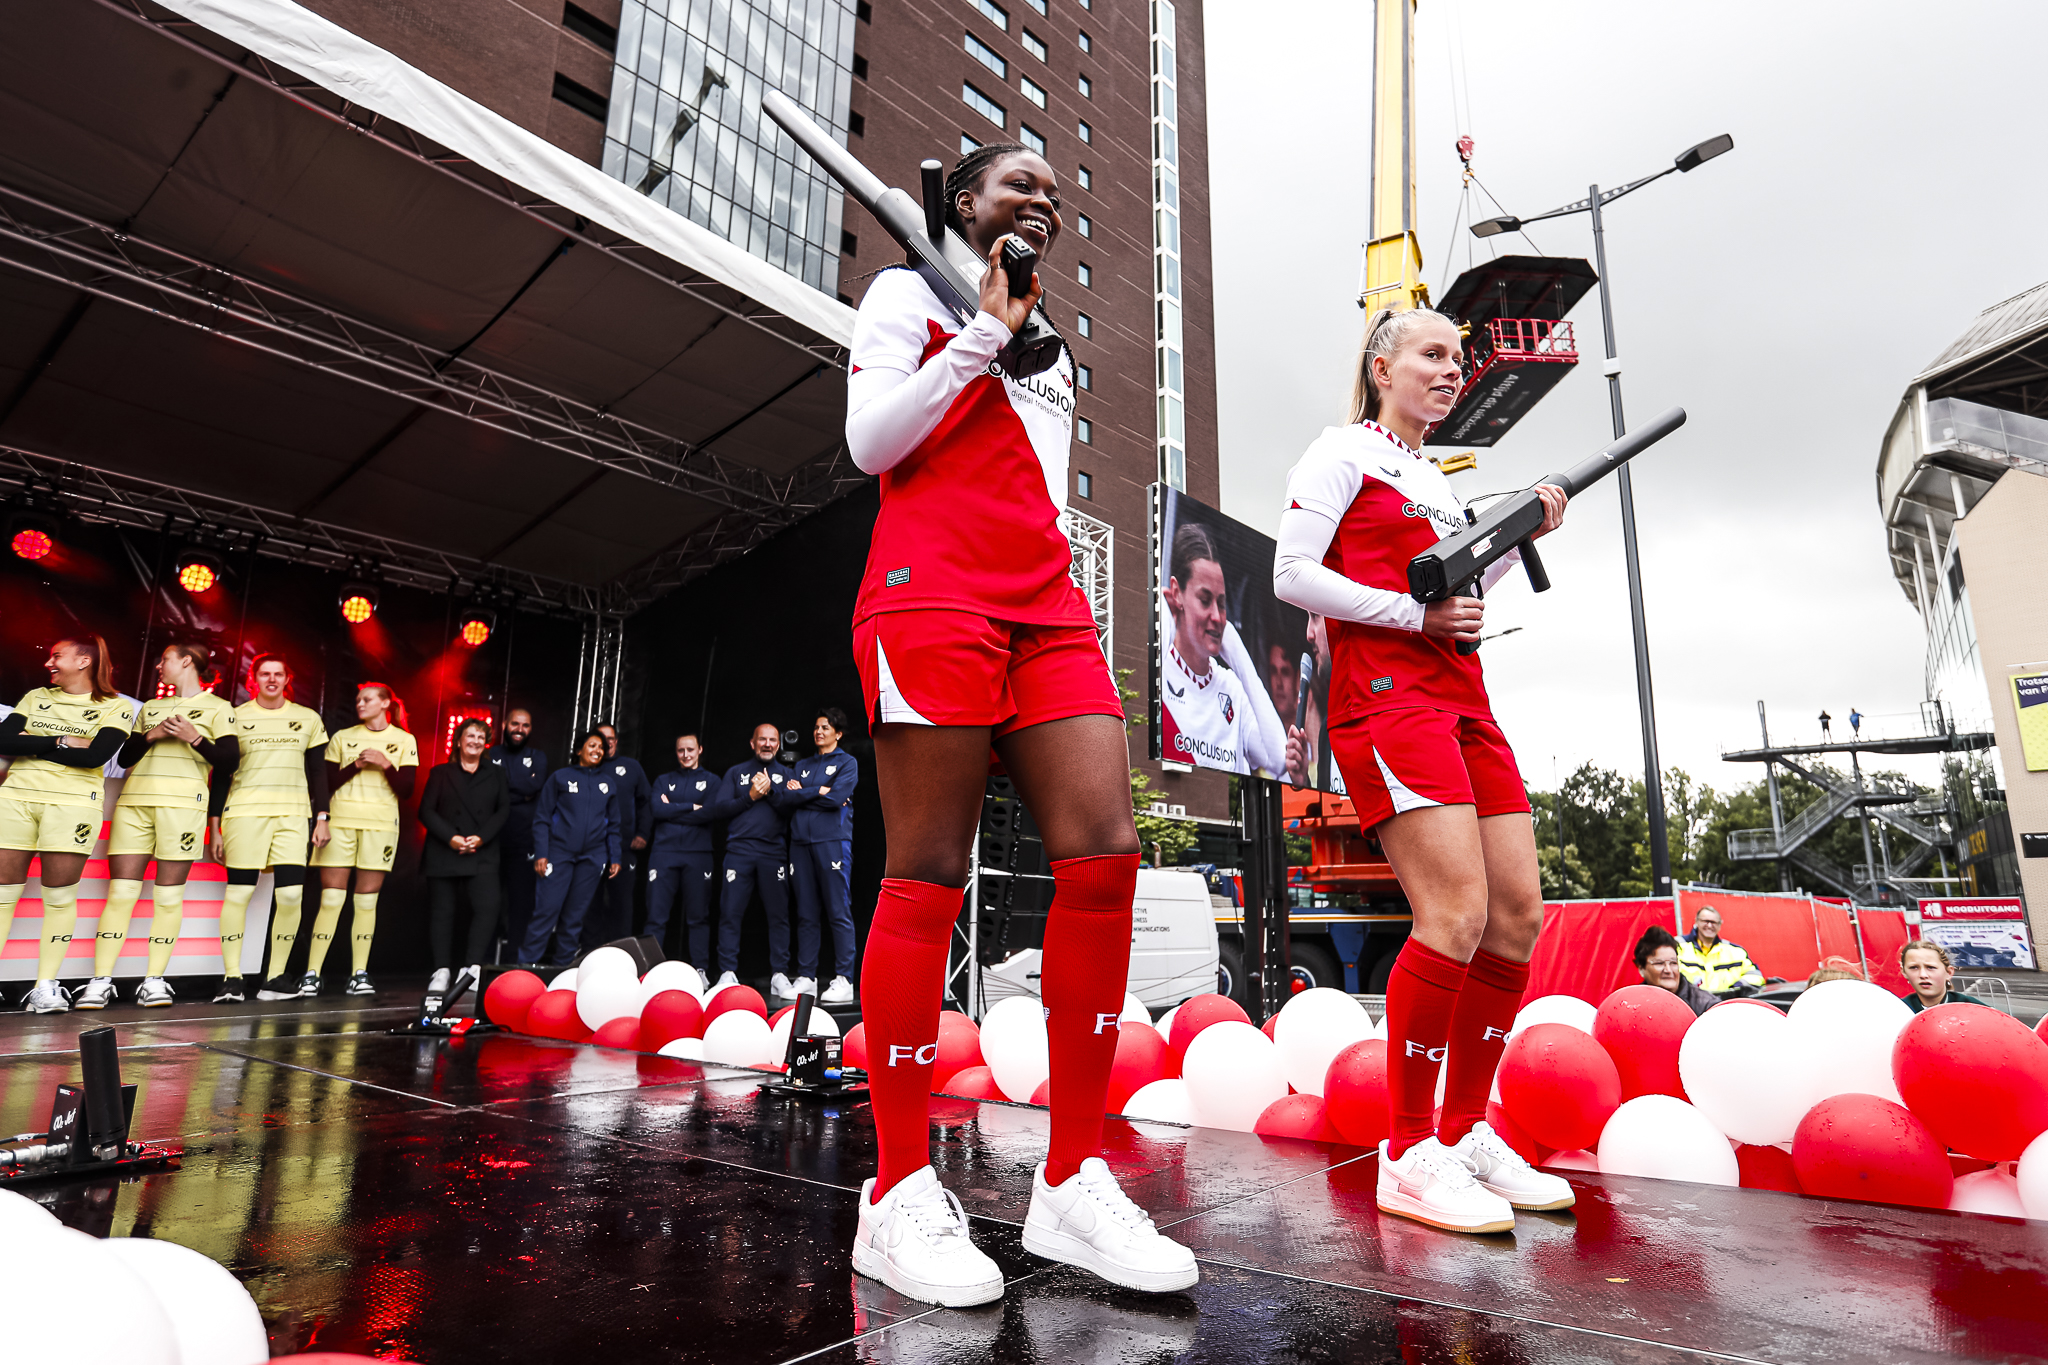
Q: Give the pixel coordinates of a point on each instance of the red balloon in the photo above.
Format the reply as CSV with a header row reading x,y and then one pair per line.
x,y
1042,1097
338,1358
959,1048
668,1016
1297,1116
1196,1014
1560,1085
1513,1134
623,1033
1863,1147
1641,1028
1765,1168
1976,1077
975,1083
1968,1165
1355,1092
735,998
554,1015
1267,1027
509,996
1140,1060
854,1050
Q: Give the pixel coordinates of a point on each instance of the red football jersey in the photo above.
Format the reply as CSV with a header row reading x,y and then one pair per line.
x,y
970,517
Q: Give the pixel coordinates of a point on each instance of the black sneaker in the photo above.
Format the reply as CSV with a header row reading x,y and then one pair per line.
x,y
309,985
230,992
359,984
279,987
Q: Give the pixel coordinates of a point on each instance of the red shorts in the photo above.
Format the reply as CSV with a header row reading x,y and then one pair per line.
x,y
931,666
1395,761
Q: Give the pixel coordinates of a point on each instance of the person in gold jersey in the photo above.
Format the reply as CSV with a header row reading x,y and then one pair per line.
x,y
279,786
60,737
180,741
371,767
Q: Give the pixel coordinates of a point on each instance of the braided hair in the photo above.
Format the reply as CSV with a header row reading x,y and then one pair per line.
x,y
1385,332
968,173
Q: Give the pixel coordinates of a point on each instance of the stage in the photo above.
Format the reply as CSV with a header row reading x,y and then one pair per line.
x,y
505,1199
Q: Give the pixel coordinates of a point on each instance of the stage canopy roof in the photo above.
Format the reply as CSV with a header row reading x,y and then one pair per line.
x,y
260,274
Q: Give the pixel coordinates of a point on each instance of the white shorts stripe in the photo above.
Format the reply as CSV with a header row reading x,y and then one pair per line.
x,y
1404,799
889,698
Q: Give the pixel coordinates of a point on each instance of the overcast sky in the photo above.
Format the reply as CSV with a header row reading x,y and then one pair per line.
x,y
1884,189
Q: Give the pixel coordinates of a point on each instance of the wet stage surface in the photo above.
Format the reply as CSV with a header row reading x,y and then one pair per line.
x,y
501,1199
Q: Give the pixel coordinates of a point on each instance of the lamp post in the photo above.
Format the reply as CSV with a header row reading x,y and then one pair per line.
x,y
1595,200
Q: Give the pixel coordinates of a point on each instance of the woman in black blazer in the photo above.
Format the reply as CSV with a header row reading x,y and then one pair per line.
x,y
464,807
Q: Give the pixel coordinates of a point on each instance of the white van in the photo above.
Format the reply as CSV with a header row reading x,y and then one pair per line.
x,y
1173,944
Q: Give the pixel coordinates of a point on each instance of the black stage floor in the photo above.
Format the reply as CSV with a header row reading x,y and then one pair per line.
x,y
510,1200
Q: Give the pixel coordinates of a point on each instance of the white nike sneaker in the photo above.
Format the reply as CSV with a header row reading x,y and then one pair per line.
x,y
1500,1168
1090,1222
98,994
155,992
804,985
1431,1185
915,1241
729,979
47,998
840,992
779,987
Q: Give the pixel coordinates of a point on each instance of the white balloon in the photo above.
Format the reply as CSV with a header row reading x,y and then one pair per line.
x,y
212,1316
1165,1024
1848,1028
1991,1191
607,996
1577,1159
2033,1178
1162,1102
564,981
1134,1011
69,1300
1748,1071
22,1218
1312,1029
1233,1072
607,961
1666,1138
1555,1009
671,976
689,1049
740,1038
1014,1045
823,1025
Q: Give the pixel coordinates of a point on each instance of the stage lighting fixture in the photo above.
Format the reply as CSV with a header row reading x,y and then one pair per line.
x,y
358,602
199,571
32,536
476,627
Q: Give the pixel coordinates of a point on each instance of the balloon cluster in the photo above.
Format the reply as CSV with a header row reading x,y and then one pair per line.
x,y
669,1011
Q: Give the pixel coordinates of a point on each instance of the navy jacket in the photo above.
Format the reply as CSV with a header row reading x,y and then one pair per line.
x,y
823,819
679,830
578,814
526,772
755,829
629,779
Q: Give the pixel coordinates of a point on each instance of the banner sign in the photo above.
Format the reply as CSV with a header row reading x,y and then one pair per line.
x,y
1983,944
1973,908
2030,708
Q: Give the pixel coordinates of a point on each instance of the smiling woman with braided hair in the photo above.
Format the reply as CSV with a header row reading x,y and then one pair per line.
x,y
970,637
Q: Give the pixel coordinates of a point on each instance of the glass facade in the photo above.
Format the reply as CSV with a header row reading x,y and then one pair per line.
x,y
1171,388
686,127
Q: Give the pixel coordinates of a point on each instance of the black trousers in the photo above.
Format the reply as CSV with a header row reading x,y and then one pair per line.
x,y
689,877
442,892
515,847
611,914
742,875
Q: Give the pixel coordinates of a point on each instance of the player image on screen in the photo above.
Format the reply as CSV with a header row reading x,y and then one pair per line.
x,y
1214,710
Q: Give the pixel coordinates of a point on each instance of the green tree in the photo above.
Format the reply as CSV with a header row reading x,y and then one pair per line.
x,y
1564,876
1167,840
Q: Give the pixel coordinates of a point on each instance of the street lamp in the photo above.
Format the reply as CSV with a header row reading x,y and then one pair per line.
x,y
1653,782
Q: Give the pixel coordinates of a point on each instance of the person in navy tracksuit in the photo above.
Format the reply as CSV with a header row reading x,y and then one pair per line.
x,y
575,847
821,794
526,772
613,915
681,860
752,801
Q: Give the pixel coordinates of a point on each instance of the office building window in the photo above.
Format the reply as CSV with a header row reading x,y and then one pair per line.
x,y
1033,91
1084,225
1086,177
1029,136
987,56
1084,431
856,124
590,28
1087,88
1085,485
1087,133
1084,378
1085,325
1033,44
984,106
968,144
581,97
1038,5
860,67
1083,272
1087,43
994,13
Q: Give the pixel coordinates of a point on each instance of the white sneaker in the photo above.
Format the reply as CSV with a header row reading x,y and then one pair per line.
x,y
98,994
155,992
1090,1222
437,991
1500,1168
309,985
47,998
915,1241
840,992
779,987
1430,1185
727,980
803,985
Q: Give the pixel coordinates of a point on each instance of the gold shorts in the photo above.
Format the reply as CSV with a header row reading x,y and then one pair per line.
x,y
34,827
260,841
170,834
372,850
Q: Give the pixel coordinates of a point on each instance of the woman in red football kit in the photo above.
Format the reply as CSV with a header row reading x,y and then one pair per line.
x,y
971,637
1430,772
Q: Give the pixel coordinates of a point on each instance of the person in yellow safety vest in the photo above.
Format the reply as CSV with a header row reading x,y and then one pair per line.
x,y
1713,963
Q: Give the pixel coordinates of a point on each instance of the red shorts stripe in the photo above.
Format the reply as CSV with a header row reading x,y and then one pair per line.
x,y
931,666
1395,761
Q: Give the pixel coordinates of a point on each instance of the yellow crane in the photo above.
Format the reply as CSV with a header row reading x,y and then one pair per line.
x,y
1393,253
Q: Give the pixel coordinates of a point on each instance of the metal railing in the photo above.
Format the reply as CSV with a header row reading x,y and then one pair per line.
x,y
1532,336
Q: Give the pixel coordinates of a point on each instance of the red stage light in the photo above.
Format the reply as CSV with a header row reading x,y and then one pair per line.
x,y
356,608
475,631
32,544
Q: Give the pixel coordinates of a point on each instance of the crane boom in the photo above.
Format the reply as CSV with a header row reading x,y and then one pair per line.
x,y
1393,253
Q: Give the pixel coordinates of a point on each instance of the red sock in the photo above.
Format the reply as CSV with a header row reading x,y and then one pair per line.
x,y
903,975
1422,993
1087,964
1479,1034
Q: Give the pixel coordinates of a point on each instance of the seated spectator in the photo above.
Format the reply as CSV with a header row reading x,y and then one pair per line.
x,y
1657,960
1834,969
1928,969
1715,965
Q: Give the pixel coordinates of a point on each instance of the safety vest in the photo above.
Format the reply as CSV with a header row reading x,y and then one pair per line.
x,y
1719,969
